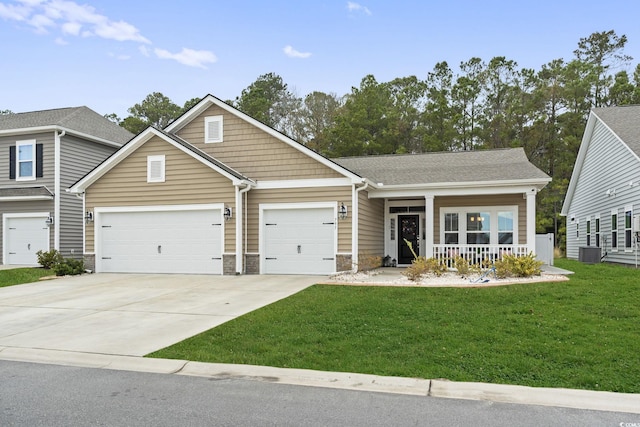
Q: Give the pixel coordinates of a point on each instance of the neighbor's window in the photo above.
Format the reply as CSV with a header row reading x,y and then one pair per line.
x,y
628,220
505,228
26,161
478,228
451,228
598,232
213,130
614,230
588,231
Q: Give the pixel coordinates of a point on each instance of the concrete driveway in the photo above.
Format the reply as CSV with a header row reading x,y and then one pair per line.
x,y
131,314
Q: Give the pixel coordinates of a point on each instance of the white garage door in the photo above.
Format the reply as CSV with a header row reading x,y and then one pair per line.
x,y
25,236
160,242
299,241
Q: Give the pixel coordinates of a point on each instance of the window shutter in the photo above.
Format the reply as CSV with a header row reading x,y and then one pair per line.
x,y
12,162
39,165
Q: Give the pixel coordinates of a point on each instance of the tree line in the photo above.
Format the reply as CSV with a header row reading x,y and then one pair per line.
x,y
478,105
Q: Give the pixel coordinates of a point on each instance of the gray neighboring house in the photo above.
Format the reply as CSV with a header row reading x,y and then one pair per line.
x,y
42,154
603,197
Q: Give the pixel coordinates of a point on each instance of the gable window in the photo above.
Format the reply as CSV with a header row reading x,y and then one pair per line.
x,y
597,220
628,220
155,168
614,230
588,231
213,130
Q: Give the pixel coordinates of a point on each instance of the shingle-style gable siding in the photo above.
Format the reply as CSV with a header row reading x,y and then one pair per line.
x,y
608,165
188,181
253,152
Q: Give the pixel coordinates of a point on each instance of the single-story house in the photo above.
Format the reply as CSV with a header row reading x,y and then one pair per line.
x,y
602,204
218,192
43,153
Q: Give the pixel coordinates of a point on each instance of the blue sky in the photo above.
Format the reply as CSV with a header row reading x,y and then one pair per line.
x,y
110,54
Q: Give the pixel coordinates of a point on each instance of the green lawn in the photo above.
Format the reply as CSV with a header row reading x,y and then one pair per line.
x,y
584,333
18,276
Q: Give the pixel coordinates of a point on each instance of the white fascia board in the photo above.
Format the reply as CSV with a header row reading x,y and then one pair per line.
x,y
577,167
24,198
459,191
303,183
55,128
210,99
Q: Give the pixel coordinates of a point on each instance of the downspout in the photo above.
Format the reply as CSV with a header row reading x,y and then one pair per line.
x,y
56,188
241,229
354,226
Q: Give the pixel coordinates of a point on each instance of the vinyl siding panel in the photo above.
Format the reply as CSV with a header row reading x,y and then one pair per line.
x,y
187,181
47,141
608,165
370,225
253,152
496,200
298,195
78,157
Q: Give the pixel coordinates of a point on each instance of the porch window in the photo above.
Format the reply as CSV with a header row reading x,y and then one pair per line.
x,y
505,228
614,230
451,229
478,228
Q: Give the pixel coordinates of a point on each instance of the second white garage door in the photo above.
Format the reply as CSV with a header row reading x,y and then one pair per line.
x,y
25,235
187,241
299,241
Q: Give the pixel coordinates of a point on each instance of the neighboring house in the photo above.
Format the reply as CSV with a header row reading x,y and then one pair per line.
x,y
43,153
218,192
603,197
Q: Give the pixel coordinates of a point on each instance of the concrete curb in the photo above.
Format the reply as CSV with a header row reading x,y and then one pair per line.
x,y
578,399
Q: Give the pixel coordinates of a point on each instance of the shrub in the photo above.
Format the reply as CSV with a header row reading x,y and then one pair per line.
x,y
69,267
462,265
49,259
368,262
523,266
422,266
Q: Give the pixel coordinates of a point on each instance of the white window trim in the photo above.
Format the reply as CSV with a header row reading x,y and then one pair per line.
x,y
209,139
588,230
493,211
614,228
150,160
628,208
597,230
32,143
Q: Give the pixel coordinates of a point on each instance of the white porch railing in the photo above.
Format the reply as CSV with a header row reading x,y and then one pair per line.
x,y
476,254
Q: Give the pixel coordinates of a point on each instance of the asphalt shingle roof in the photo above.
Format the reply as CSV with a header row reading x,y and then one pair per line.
x,y
444,167
79,119
625,122
25,192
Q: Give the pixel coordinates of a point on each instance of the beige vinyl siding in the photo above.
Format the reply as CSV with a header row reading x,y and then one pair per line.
x,y
370,225
298,195
253,152
78,157
496,200
187,181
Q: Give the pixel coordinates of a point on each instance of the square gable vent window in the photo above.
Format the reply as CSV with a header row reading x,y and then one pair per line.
x,y
155,168
213,129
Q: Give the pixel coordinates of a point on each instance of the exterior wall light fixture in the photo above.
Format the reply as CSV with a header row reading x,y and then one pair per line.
x,y
227,213
342,211
88,217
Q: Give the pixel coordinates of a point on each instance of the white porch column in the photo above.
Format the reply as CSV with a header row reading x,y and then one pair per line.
x,y
429,223
531,220
239,231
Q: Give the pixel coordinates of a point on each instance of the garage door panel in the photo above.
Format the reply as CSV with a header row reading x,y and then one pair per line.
x,y
299,241
25,237
162,242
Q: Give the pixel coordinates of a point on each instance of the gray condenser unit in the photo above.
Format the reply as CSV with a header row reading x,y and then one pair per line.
x,y
589,255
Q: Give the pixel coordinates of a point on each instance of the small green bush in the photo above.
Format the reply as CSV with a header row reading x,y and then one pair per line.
x,y
49,259
69,267
422,266
518,266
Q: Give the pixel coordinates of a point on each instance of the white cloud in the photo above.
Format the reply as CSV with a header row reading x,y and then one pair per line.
x,y
355,7
14,12
190,57
60,41
292,53
120,57
72,28
144,50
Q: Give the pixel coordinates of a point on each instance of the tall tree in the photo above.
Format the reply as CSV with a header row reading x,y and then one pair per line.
x,y
404,132
155,110
499,88
318,114
466,104
439,132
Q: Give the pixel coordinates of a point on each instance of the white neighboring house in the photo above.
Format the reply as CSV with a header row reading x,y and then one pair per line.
x,y
602,204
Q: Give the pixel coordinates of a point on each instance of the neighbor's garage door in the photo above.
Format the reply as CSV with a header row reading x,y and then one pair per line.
x,y
161,242
299,241
25,237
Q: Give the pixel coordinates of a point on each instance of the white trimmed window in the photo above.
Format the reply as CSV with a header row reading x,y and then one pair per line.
x,y
155,168
614,229
628,223
26,160
597,227
588,231
213,129
487,225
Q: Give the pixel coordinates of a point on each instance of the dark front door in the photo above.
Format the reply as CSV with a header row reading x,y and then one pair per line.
x,y
408,230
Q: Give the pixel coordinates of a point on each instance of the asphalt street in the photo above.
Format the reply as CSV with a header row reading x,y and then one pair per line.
x,y
52,395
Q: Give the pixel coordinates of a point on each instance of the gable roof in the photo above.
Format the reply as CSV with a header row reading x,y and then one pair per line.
x,y
124,151
209,100
446,168
81,121
623,122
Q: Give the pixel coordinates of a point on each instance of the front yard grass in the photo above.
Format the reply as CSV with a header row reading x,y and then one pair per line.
x,y
19,276
581,334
